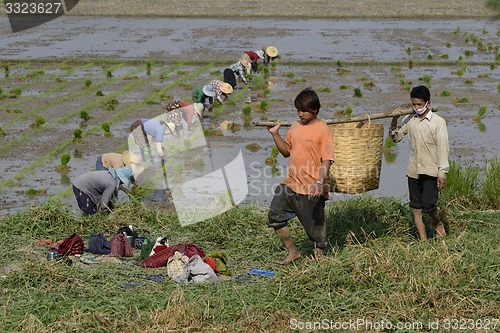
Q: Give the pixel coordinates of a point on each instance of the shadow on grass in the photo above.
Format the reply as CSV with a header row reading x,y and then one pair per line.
x,y
365,217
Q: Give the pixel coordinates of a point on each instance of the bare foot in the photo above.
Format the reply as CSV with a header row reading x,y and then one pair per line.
x,y
440,230
289,258
318,253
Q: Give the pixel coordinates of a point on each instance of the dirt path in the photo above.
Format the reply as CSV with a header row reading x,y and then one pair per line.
x,y
286,8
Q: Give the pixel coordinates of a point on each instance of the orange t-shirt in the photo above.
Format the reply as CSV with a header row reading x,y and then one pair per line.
x,y
309,145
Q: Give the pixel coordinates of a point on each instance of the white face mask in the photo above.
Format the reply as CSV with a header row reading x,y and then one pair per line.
x,y
422,110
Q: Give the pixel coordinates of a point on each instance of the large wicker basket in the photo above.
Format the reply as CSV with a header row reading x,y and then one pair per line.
x,y
358,157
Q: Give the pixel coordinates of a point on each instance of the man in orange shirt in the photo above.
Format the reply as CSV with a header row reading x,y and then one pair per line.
x,y
303,193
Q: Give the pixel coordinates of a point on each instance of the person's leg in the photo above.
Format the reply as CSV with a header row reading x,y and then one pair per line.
x,y
419,223
311,214
279,214
415,191
430,195
285,235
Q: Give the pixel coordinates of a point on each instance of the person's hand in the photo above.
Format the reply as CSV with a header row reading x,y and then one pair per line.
x,y
441,182
316,189
274,129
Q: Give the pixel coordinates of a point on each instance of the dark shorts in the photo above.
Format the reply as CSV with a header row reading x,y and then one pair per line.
x,y
85,202
98,164
230,77
287,204
423,193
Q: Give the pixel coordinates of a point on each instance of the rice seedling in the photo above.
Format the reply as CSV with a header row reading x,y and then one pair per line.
x,y
99,93
131,77
480,114
498,88
149,66
343,71
429,57
458,72
109,74
271,160
6,70
16,110
262,107
325,90
388,143
64,158
348,111
107,129
84,115
457,30
15,92
410,64
444,93
492,67
77,135
289,75
247,111
468,53
59,79
426,78
88,82
253,147
39,121
483,75
448,45
445,56
408,51
468,82
344,87
357,92
484,31
110,105
2,133
462,100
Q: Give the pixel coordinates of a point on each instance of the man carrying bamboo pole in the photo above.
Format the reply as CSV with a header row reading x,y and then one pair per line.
x,y
428,163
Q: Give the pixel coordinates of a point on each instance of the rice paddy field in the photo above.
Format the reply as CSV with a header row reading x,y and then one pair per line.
x,y
71,88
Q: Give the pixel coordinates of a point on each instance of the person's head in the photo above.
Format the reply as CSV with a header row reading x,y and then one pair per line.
x,y
226,88
420,99
208,90
307,105
271,51
169,128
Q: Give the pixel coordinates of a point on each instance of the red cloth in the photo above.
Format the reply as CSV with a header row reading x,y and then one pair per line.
x,y
189,250
159,259
71,246
253,56
210,262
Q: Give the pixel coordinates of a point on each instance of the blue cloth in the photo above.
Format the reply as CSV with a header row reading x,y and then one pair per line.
x,y
154,128
98,164
261,272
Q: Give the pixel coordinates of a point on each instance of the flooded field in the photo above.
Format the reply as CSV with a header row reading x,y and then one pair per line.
x,y
49,69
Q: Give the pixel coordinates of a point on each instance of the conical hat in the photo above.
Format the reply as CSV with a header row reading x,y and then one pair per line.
x,y
226,88
271,51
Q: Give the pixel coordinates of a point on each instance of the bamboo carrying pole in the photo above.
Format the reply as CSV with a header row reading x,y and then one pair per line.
x,y
364,117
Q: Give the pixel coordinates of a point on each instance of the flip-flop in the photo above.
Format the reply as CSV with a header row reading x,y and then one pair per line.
x,y
241,278
261,272
155,278
132,284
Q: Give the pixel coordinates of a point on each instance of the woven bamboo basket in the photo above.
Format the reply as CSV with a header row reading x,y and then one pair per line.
x,y
358,157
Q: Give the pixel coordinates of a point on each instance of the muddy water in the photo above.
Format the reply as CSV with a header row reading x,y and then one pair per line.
x,y
302,41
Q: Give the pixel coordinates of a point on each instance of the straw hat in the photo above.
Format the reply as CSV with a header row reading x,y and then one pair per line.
x,y
171,127
198,108
226,88
271,51
126,157
208,90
